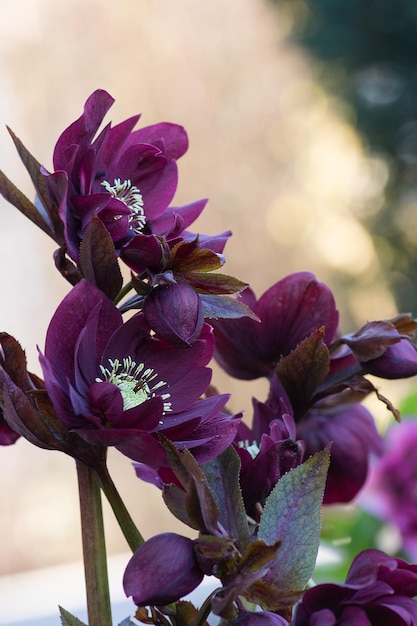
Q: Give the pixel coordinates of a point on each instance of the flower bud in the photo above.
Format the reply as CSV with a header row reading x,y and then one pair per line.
x,y
162,570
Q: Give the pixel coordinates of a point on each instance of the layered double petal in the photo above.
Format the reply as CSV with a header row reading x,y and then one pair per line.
x,y
289,312
379,589
127,177
115,383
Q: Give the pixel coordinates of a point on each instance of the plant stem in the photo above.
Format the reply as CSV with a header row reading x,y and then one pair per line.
x,y
94,548
126,523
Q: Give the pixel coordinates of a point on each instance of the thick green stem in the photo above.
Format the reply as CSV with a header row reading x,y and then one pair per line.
x,y
126,523
94,547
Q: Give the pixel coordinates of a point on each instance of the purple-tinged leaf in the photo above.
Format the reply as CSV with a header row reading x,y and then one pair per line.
x,y
292,514
205,282
12,194
201,508
98,260
222,474
34,169
187,257
302,371
216,307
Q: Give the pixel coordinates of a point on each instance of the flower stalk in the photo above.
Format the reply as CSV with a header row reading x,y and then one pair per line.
x,y
94,547
125,521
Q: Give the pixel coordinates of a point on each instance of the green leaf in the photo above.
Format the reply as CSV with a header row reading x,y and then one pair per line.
x,y
69,620
222,474
98,260
292,513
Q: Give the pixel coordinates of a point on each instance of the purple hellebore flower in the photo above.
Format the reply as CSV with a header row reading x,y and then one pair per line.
x,y
289,312
391,491
162,570
379,589
114,383
262,466
126,177
259,618
349,426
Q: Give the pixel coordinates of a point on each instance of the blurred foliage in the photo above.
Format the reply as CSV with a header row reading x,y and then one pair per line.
x,y
365,54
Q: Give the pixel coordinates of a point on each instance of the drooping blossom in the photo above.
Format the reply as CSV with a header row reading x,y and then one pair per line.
x,y
391,491
379,589
290,311
162,570
115,383
316,376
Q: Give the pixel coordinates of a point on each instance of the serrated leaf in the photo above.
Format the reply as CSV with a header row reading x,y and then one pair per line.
x,y
222,474
225,307
200,505
213,283
98,260
69,620
302,371
176,501
292,514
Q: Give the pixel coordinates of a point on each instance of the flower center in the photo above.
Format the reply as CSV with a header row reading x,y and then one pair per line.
x,y
132,198
136,383
252,448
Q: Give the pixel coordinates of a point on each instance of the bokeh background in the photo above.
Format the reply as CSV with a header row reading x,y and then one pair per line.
x,y
302,122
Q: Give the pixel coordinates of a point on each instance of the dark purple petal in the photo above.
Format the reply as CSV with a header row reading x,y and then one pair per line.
x,y
82,131
174,138
398,361
289,311
260,618
7,435
68,322
162,570
175,313
354,437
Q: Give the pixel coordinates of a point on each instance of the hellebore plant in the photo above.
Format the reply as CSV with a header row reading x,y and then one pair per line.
x,y
141,383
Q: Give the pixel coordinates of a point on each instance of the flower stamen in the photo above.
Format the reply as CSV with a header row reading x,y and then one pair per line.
x,y
136,383
130,196
252,448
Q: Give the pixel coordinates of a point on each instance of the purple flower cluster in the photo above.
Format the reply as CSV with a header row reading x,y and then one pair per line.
x,y
142,384
379,589
317,377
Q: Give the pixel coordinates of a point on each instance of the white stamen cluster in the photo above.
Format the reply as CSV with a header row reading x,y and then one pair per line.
x,y
132,198
252,448
134,381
